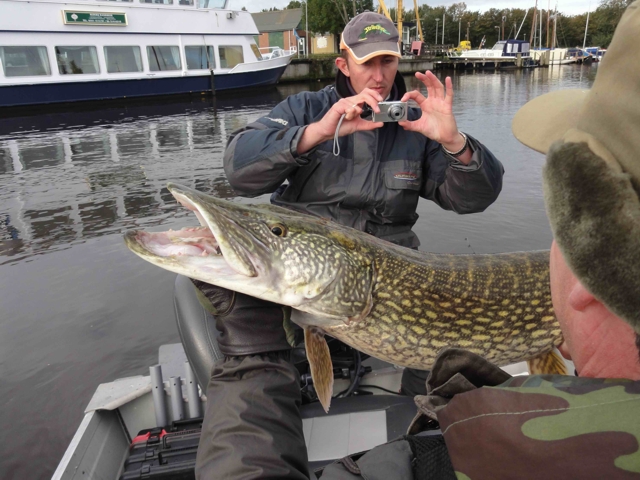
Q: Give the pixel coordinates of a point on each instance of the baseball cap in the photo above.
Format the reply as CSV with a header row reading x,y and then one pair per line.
x,y
368,35
591,177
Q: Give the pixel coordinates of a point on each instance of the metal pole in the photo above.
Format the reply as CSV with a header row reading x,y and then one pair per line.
x,y
437,20
306,27
177,406
459,28
192,392
443,29
157,389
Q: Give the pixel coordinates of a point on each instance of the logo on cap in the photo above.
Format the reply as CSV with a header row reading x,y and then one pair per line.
x,y
376,27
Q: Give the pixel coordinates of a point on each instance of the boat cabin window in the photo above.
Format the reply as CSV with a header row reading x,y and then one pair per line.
x,y
77,60
211,3
162,2
165,57
230,56
256,51
199,57
24,61
120,59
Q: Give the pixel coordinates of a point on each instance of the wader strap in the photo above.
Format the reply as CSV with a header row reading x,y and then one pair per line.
x,y
350,464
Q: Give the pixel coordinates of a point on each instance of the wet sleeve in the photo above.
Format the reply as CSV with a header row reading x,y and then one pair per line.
x,y
458,187
252,426
259,157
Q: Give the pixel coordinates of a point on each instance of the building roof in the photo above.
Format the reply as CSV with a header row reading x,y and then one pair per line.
x,y
278,21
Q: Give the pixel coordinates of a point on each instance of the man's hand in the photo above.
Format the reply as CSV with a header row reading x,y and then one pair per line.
x,y
351,107
437,121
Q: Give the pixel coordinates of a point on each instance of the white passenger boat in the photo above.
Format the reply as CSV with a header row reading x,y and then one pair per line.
x,y
502,49
53,51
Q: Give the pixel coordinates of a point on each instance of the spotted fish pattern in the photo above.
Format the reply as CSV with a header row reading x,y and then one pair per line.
x,y
497,306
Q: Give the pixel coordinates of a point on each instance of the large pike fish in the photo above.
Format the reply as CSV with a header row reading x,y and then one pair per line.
x,y
390,302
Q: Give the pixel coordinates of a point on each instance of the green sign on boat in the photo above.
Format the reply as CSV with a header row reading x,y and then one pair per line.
x,y
94,18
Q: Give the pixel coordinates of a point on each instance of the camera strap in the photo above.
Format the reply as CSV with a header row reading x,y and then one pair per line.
x,y
336,144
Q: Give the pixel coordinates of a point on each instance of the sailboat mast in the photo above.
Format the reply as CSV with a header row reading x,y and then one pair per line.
x,y
548,19
540,38
521,25
554,39
533,26
586,27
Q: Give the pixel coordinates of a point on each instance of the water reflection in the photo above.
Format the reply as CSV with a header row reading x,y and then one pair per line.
x,y
62,184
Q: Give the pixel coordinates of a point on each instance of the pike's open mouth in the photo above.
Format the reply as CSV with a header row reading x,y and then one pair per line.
x,y
200,246
189,241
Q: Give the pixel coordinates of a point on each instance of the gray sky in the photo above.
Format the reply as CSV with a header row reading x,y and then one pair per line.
x,y
569,7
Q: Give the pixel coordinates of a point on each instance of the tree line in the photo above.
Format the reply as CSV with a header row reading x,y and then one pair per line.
x,y
330,16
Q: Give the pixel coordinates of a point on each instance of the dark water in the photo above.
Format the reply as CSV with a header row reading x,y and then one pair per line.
x,y
78,309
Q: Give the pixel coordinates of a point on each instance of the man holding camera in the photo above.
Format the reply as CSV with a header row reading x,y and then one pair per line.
x,y
340,165
382,168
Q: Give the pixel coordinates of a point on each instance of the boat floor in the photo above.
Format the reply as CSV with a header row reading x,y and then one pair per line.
x,y
120,409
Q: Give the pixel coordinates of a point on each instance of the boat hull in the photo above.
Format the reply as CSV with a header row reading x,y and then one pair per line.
x,y
49,93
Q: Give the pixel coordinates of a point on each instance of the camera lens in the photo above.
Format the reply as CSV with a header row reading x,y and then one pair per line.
x,y
396,112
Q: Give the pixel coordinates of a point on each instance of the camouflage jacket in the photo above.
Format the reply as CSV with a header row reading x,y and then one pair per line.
x,y
541,426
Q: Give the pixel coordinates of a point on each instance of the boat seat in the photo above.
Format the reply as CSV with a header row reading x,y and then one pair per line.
x,y
197,329
354,424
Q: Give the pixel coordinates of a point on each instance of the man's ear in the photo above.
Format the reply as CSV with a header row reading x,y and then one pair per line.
x,y
343,65
580,297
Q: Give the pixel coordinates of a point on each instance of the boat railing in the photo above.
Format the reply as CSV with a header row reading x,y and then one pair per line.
x,y
274,52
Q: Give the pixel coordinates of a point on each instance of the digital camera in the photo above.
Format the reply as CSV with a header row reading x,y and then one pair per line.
x,y
391,112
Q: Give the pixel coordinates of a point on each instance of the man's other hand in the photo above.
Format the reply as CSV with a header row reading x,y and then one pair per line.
x,y
437,121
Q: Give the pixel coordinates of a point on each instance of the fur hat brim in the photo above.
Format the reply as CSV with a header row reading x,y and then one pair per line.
x,y
594,213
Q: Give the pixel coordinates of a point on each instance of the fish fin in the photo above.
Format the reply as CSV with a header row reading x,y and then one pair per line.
x,y
320,363
550,363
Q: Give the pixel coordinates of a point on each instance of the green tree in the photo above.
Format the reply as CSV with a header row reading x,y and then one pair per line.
x,y
331,16
604,21
293,4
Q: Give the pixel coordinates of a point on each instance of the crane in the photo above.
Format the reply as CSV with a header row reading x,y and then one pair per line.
x,y
383,8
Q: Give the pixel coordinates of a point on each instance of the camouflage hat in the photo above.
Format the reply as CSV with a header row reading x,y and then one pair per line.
x,y
592,173
368,35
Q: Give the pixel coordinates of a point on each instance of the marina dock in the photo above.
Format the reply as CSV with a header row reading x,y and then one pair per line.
x,y
312,69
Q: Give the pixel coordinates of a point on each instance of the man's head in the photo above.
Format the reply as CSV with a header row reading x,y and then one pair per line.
x,y
592,194
370,52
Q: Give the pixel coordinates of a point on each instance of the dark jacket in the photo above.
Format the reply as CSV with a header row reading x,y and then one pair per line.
x,y
376,181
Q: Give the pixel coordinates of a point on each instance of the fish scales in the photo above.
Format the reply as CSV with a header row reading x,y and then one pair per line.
x,y
497,306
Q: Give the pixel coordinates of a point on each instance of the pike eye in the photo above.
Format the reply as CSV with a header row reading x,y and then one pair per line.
x,y
279,230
